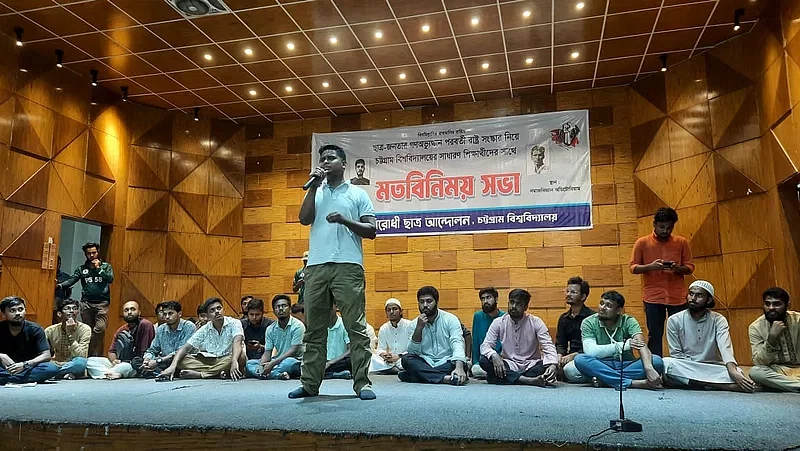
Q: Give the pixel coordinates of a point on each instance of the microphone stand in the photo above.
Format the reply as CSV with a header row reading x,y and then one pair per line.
x,y
622,424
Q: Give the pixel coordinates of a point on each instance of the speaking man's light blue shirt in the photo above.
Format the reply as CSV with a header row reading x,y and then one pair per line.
x,y
442,341
332,242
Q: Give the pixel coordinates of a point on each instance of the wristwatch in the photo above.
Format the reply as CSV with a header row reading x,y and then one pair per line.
x,y
26,365
159,360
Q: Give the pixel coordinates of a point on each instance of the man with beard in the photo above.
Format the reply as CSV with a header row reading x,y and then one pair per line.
x,y
130,342
24,353
69,340
568,333
436,352
284,339
663,259
359,179
700,349
394,337
528,356
95,276
244,302
610,333
775,341
481,321
255,328
170,336
341,215
217,347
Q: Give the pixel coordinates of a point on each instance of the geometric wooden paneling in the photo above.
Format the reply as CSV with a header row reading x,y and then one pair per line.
x,y
225,216
196,181
701,227
147,209
32,128
102,155
196,206
747,275
182,165
180,220
149,168
145,251
734,117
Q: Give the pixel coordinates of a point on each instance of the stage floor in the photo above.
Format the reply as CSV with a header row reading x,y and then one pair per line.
x,y
675,419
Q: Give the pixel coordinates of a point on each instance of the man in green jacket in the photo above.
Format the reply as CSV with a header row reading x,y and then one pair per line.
x,y
95,276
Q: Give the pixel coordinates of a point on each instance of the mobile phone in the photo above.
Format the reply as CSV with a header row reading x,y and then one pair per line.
x,y
669,264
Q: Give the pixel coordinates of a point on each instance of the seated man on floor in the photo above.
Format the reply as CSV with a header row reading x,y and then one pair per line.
x,y
69,341
527,355
393,339
436,352
337,365
700,349
569,342
284,340
215,350
481,321
127,348
170,336
24,353
610,333
775,341
255,328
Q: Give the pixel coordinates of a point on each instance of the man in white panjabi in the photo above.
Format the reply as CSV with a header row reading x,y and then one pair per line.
x,y
700,349
393,339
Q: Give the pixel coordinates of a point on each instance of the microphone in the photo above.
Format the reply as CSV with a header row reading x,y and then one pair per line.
x,y
623,424
313,179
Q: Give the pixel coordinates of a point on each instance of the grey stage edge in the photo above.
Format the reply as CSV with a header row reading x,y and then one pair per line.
x,y
675,419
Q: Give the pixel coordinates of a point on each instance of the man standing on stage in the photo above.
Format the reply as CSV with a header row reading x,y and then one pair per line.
x,y
95,276
663,259
340,215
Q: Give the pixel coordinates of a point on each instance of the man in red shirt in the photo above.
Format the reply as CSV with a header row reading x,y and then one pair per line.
x,y
662,259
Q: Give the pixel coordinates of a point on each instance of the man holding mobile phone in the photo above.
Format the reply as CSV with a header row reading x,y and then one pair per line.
x,y
663,259
255,326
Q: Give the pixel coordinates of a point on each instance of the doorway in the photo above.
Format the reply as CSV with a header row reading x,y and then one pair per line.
x,y
74,234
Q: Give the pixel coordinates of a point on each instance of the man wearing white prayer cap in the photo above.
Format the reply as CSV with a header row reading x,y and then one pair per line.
x,y
393,339
700,349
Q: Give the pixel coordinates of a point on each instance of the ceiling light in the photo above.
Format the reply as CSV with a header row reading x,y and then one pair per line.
x,y
528,60
288,88
253,92
22,69
580,5
18,31
59,89
378,34
196,113
475,21
333,40
402,75
426,28
94,76
663,59
124,90
737,16
208,57
526,14
325,84
485,65
59,58
574,55
248,51
443,70
363,80
290,46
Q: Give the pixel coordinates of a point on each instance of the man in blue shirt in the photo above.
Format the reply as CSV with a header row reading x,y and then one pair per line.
x,y
480,325
340,215
170,336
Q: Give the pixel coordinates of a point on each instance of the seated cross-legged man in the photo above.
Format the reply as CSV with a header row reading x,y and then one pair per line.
x,y
393,339
69,340
127,348
255,328
480,325
337,365
569,342
24,353
170,336
283,345
700,349
610,334
528,356
436,352
215,350
775,342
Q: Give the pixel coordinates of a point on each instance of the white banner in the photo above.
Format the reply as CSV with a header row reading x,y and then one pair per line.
x,y
517,173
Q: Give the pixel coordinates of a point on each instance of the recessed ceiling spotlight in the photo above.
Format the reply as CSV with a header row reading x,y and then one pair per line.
x,y
288,88
22,69
378,34
18,31
94,74
253,92
526,14
579,5
59,58
443,70
248,51
333,40
475,21
663,59
402,75
574,55
426,28
485,66
529,60
363,80
124,90
208,57
196,113
737,17
325,84
290,46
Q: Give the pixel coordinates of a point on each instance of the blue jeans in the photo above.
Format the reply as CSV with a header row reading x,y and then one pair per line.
x,y
38,373
608,369
76,366
288,365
